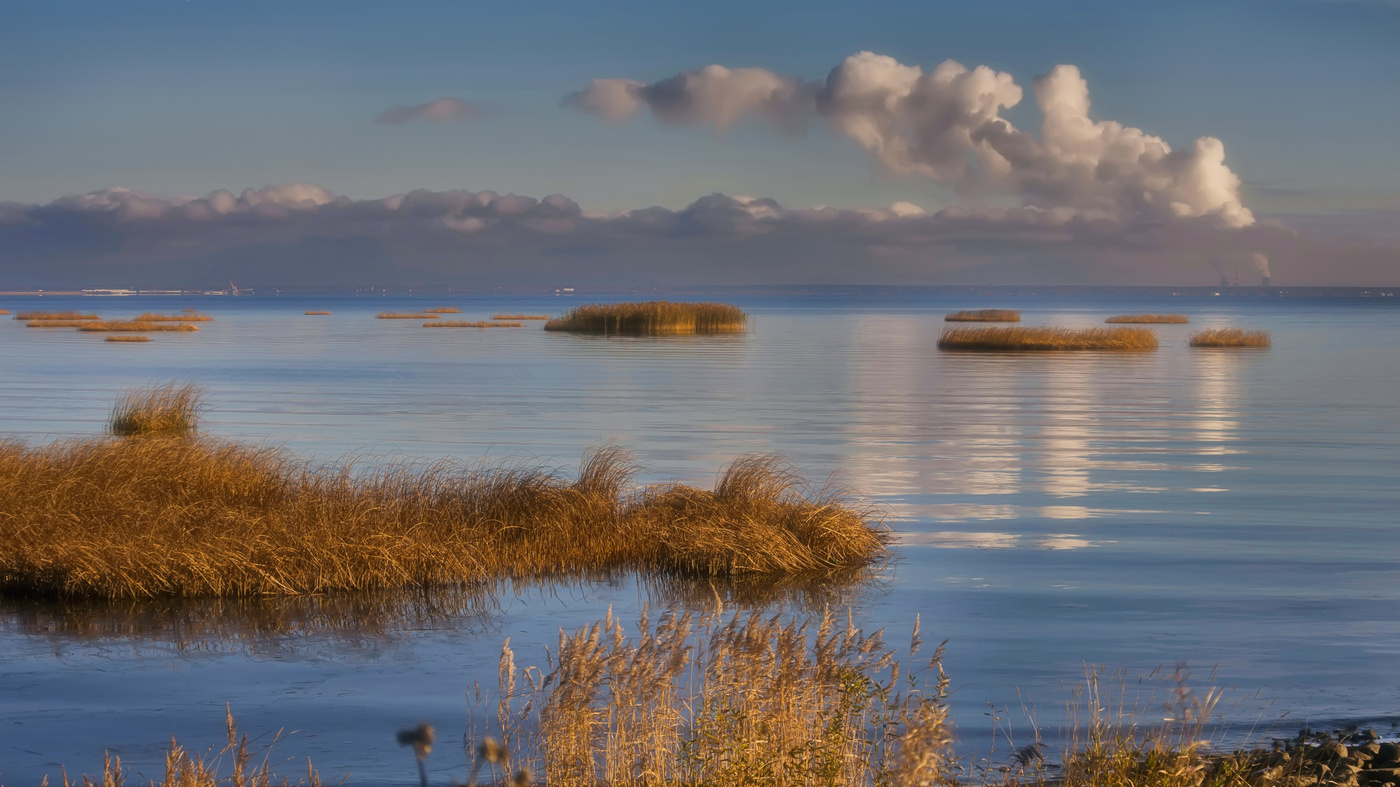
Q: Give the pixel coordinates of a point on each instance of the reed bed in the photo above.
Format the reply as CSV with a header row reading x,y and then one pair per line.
x,y
406,316
187,315
59,323
520,316
651,318
443,310
1150,319
55,316
125,326
1231,337
1046,339
165,513
984,315
317,312
4,311
127,339
465,324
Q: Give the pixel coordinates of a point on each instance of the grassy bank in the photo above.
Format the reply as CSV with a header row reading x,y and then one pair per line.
x,y
1046,339
1230,337
162,512
984,315
651,318
1150,319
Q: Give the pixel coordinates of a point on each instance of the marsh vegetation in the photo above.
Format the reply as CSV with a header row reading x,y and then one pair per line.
x,y
520,316
1036,338
128,326
443,310
984,315
467,324
424,315
127,339
317,312
1150,319
187,315
1230,337
42,316
651,318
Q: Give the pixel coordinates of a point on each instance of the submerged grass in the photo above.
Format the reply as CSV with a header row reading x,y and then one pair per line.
x,y
55,316
187,315
651,318
156,516
1230,337
1152,319
520,316
464,324
1045,338
984,315
127,326
127,339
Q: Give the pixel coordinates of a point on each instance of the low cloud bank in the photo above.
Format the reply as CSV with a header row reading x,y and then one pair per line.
x,y
434,111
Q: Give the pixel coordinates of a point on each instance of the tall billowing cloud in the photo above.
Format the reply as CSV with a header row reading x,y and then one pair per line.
x,y
946,126
441,109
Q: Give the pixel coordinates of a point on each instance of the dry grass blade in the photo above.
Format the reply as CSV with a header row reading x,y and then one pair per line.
x,y
520,316
184,316
984,315
651,318
55,316
1046,339
1150,319
127,339
1231,337
138,327
163,410
464,324
406,316
318,312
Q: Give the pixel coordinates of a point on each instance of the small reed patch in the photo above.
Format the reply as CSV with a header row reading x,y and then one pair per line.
x,y
984,315
1045,338
120,326
406,316
127,339
59,323
464,324
55,316
651,318
318,312
184,316
1231,337
443,310
1150,319
170,410
520,316
4,311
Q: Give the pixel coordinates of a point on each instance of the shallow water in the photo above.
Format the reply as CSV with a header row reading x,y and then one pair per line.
x,y
1234,510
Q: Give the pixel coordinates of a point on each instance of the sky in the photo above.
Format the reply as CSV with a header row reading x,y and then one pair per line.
x,y
178,99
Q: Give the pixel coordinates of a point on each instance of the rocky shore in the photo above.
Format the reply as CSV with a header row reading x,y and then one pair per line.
x,y
1342,758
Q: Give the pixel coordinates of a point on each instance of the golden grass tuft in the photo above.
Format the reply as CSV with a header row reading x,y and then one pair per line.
x,y
464,324
520,316
158,516
127,339
187,315
55,316
318,312
406,316
1045,339
984,315
170,410
59,323
1150,319
443,310
1230,337
124,326
651,318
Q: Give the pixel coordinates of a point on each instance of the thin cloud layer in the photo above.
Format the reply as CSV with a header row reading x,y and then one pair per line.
x,y
439,110
945,126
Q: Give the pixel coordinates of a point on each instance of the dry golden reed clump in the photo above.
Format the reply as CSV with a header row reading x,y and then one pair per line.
x,y
55,316
171,410
463,324
406,316
984,315
1230,337
651,318
443,310
1044,338
138,327
4,311
187,315
58,323
318,312
157,516
1150,319
127,339
520,316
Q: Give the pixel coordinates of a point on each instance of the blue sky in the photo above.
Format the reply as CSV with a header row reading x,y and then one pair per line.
x,y
186,96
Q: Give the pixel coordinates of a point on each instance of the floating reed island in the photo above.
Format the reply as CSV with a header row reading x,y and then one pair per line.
x,y
131,326
318,312
1150,319
40,316
466,324
187,315
1231,337
155,509
4,311
127,339
984,315
59,323
406,316
443,310
1046,339
651,318
520,316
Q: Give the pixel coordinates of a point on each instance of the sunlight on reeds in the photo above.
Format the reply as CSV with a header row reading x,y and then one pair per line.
x,y
651,318
149,517
55,316
171,410
1231,337
186,315
4,311
406,316
1150,319
127,339
59,323
520,316
1046,339
443,310
125,326
464,324
318,312
984,315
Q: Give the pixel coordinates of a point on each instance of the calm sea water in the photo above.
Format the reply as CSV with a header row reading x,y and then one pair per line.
x,y
1237,511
